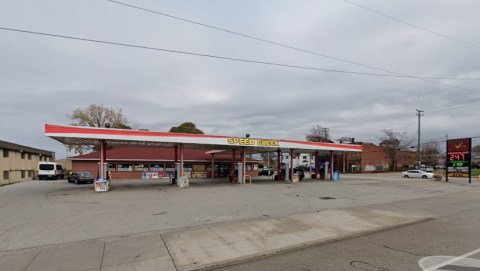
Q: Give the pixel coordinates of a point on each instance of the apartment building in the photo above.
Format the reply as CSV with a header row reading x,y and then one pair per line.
x,y
19,163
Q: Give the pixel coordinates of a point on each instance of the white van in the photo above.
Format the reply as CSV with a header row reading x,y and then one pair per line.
x,y
50,170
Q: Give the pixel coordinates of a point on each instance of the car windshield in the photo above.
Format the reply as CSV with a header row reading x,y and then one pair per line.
x,y
84,174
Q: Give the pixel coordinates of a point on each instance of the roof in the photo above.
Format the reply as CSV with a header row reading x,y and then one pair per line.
x,y
21,148
77,135
156,154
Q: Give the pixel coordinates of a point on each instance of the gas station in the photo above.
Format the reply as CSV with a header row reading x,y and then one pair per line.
x,y
181,142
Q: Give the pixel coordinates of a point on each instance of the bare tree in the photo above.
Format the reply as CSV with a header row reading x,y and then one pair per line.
x,y
476,148
318,134
396,141
96,115
430,153
346,139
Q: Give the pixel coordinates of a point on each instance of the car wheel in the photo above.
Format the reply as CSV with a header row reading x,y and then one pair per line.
x,y
424,177
406,176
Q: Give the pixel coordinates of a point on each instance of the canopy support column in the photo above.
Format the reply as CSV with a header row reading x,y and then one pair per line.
x,y
317,176
176,172
232,167
181,161
103,158
279,163
243,166
213,165
331,165
291,165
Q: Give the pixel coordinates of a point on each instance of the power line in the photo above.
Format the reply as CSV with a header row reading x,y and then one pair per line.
x,y
215,56
414,25
290,46
403,115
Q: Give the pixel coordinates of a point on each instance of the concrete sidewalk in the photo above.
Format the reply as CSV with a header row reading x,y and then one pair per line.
x,y
206,247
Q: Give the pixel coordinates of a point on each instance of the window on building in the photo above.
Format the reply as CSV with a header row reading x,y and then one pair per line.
x,y
5,153
286,157
22,155
22,174
355,155
187,167
125,167
304,157
170,167
141,167
112,167
156,167
6,175
29,156
30,174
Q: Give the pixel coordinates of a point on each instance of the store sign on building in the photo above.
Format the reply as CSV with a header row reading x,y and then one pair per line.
x,y
253,142
459,157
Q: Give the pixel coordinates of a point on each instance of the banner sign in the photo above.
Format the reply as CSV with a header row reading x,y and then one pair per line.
x,y
155,175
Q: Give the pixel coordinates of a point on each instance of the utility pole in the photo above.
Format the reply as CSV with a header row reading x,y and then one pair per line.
x,y
325,134
419,114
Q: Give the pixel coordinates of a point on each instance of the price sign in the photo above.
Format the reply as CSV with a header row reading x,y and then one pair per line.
x,y
459,158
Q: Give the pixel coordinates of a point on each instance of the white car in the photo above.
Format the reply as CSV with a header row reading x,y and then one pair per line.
x,y
415,173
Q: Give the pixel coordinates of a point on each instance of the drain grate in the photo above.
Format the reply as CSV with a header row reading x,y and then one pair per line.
x,y
325,198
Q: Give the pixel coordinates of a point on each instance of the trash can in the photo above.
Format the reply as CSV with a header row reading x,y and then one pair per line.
x,y
336,176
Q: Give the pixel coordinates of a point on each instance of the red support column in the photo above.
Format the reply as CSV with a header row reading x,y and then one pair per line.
x,y
291,165
232,168
103,158
279,162
331,165
176,154
175,180
316,165
243,165
213,166
181,161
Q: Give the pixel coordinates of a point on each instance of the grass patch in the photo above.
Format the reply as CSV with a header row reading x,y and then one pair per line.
x,y
475,171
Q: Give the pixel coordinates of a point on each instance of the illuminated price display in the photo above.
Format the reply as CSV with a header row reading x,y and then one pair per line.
x,y
458,157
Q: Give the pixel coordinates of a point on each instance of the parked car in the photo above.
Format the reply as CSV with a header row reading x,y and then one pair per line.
x,y
265,172
475,165
50,170
415,173
81,177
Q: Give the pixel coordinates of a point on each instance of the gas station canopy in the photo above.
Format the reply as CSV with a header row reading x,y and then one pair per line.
x,y
79,135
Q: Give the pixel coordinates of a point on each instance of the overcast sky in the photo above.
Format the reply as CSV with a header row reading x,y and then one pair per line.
x,y
43,79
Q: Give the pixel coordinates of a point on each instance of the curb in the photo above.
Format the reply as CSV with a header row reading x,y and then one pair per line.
x,y
293,248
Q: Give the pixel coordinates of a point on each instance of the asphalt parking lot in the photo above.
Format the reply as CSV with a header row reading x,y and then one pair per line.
x,y
38,213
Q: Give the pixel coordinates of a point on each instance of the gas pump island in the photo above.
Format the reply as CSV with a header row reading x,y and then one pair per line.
x,y
178,142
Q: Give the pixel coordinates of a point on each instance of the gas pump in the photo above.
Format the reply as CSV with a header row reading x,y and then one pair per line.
x,y
326,170
240,173
103,185
287,172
